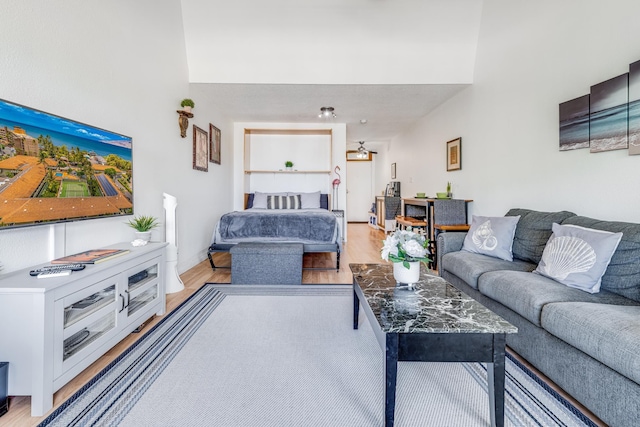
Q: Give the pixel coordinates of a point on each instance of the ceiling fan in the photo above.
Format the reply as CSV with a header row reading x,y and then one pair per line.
x,y
363,152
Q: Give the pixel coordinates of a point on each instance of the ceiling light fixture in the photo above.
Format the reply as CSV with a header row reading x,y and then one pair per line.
x,y
327,113
362,152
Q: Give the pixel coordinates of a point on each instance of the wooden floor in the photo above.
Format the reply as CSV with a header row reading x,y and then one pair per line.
x,y
363,247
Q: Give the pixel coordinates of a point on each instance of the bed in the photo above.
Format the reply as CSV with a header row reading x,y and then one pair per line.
x,y
280,218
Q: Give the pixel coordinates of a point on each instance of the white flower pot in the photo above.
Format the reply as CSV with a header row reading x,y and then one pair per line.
x,y
143,235
406,276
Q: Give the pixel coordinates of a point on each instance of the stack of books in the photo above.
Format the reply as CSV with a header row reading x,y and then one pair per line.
x,y
93,256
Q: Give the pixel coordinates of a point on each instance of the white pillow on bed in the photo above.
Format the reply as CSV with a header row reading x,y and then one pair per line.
x,y
260,199
309,200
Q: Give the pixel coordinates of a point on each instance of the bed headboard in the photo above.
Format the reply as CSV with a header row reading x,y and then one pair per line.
x,y
324,200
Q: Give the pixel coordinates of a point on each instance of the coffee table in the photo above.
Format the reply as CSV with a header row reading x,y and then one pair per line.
x,y
433,322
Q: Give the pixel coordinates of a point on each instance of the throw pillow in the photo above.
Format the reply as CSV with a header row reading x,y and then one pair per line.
x,y
577,256
308,200
260,199
283,202
492,236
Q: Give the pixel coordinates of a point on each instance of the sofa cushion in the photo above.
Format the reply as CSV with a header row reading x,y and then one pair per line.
x,y
623,273
527,293
608,333
533,231
492,236
577,256
469,266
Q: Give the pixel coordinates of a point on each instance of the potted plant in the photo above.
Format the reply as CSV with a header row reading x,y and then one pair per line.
x,y
406,249
288,164
449,190
187,104
143,224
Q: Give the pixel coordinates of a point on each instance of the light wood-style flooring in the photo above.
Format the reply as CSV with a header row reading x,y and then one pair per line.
x,y
363,247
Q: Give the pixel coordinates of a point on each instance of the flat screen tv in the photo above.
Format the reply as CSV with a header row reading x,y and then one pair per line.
x,y
54,169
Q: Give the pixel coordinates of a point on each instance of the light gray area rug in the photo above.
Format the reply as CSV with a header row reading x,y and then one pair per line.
x,y
288,356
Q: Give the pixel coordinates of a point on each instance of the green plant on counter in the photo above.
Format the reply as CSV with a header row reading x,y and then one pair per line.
x,y
288,164
448,187
143,223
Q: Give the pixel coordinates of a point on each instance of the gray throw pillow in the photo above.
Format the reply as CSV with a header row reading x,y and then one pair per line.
x,y
492,236
260,199
577,256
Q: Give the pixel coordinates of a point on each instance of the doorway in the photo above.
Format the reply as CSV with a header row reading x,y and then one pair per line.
x,y
359,190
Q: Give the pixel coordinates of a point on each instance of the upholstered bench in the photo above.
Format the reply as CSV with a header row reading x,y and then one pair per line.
x,y
257,263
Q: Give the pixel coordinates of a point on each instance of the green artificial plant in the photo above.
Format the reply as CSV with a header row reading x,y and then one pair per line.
x,y
187,103
143,223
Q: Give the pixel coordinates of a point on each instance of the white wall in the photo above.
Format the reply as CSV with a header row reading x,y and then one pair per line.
x,y
121,66
531,57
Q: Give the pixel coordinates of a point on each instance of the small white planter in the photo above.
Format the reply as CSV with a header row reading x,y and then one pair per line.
x,y
406,276
143,235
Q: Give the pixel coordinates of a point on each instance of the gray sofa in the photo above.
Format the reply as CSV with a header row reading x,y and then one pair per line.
x,y
588,344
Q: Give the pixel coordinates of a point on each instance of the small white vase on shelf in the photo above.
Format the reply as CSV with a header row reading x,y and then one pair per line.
x,y
406,276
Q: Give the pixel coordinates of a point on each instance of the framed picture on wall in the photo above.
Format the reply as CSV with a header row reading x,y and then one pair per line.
x,y
200,149
454,158
393,171
214,144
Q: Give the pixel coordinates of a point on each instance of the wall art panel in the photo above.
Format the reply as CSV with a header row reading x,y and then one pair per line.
x,y
574,124
634,108
609,114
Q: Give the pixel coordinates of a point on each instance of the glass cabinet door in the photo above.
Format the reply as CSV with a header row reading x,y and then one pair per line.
x,y
86,306
142,288
88,319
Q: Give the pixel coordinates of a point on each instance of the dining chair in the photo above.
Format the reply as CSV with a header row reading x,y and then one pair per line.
x,y
448,215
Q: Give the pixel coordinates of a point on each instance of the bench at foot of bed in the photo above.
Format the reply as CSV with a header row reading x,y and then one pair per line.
x,y
307,248
266,264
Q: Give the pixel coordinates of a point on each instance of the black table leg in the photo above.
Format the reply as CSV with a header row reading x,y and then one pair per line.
x,y
391,377
496,381
356,309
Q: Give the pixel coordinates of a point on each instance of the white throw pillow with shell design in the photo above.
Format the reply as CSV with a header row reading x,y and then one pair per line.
x,y
492,236
577,256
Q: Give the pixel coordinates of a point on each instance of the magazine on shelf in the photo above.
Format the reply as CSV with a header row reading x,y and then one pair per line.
x,y
93,256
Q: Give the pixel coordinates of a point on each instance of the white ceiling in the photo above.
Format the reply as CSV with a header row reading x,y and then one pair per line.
x,y
388,61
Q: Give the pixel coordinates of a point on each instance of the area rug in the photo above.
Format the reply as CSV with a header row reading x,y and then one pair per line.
x,y
288,356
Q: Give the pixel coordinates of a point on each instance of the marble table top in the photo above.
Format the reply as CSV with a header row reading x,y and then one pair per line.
x,y
433,306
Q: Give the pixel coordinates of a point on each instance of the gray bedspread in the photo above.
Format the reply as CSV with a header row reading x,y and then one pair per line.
x,y
291,225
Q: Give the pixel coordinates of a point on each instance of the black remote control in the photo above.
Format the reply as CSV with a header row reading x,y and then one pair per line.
x,y
57,267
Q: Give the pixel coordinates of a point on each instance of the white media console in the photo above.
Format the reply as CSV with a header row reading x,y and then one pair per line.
x,y
53,328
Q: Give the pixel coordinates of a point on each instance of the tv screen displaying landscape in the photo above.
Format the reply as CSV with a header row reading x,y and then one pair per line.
x,y
54,169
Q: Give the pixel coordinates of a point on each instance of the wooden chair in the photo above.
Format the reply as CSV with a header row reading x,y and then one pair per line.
x,y
414,224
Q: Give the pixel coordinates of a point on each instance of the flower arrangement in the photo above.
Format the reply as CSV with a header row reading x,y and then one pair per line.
x,y
405,247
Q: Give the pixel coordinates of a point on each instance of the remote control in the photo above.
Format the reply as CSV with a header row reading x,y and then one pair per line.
x,y
56,273
57,268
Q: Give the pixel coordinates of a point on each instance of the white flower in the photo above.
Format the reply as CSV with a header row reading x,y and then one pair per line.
x,y
414,249
404,245
390,246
